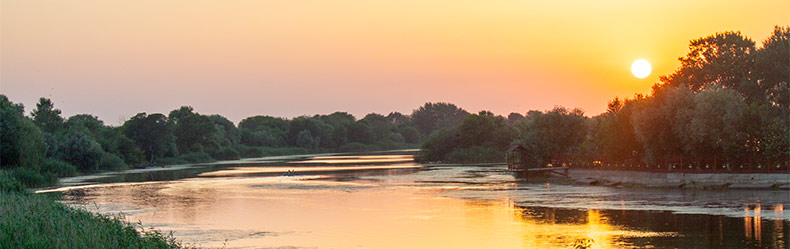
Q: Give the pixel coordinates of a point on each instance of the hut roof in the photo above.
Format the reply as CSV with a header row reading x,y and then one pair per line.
x,y
515,147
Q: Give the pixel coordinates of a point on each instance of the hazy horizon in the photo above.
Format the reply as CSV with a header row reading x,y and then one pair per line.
x,y
287,59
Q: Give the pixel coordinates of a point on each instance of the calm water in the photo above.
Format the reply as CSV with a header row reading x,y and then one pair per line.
x,y
387,201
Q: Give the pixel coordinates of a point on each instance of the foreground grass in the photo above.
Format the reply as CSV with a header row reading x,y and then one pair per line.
x,y
32,221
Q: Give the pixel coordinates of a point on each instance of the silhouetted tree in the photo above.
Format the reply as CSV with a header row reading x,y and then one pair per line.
x,y
46,117
21,142
724,59
152,133
436,116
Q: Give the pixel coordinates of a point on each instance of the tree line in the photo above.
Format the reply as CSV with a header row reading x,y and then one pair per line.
x,y
39,147
728,101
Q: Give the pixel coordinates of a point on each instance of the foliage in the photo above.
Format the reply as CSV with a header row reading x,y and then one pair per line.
x,y
21,143
556,132
263,131
32,177
46,117
476,154
729,100
432,117
772,64
152,134
724,59
192,157
58,167
111,161
34,221
80,150
9,183
192,130
480,138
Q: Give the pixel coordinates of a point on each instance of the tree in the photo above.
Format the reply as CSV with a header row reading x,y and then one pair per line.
x,y
485,129
341,123
152,133
319,130
85,123
226,132
480,138
772,65
409,133
21,142
379,125
612,133
193,132
717,125
514,117
657,123
305,140
111,139
46,117
397,118
80,150
264,131
725,59
556,132
437,116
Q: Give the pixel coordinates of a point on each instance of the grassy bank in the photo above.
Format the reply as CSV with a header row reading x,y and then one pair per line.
x,y
34,221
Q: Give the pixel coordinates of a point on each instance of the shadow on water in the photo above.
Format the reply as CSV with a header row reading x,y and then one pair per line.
x,y
664,229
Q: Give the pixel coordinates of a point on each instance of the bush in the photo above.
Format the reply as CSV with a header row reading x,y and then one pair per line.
x,y
247,151
226,153
111,161
476,154
354,147
33,178
58,167
81,151
192,157
34,221
197,157
9,184
269,151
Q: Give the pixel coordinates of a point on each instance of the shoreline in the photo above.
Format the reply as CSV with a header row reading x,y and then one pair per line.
x,y
680,180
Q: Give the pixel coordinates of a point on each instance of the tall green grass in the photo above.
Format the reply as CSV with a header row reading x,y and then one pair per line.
x,y
34,221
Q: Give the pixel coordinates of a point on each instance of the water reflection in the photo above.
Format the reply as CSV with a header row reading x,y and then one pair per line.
x,y
443,207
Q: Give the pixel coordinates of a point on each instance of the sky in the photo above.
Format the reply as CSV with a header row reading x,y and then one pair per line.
x,y
240,58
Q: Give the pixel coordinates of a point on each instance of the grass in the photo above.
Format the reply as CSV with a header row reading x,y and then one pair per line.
x,y
33,221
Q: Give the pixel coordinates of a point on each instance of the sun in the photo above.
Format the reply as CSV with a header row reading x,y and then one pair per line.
x,y
641,68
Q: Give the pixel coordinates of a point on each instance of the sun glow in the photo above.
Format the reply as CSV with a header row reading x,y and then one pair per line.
x,y
641,68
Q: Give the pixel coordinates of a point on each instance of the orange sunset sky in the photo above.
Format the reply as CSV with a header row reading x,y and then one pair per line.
x,y
295,57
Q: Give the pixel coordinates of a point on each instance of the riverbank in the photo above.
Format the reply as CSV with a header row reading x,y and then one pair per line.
x,y
680,179
36,221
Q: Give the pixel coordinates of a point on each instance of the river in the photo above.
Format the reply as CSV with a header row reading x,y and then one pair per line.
x,y
385,200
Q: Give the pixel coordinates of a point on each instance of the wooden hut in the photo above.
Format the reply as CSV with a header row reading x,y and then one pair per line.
x,y
516,158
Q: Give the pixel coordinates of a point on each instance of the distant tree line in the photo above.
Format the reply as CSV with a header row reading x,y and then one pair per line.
x,y
729,101
38,148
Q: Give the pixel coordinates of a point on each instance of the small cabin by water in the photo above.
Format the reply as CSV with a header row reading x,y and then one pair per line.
x,y
519,163
516,158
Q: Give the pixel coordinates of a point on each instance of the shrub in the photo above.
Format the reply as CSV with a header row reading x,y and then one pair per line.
x,y
58,167
196,157
9,184
226,153
111,161
34,221
81,151
33,178
476,154
248,151
354,147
